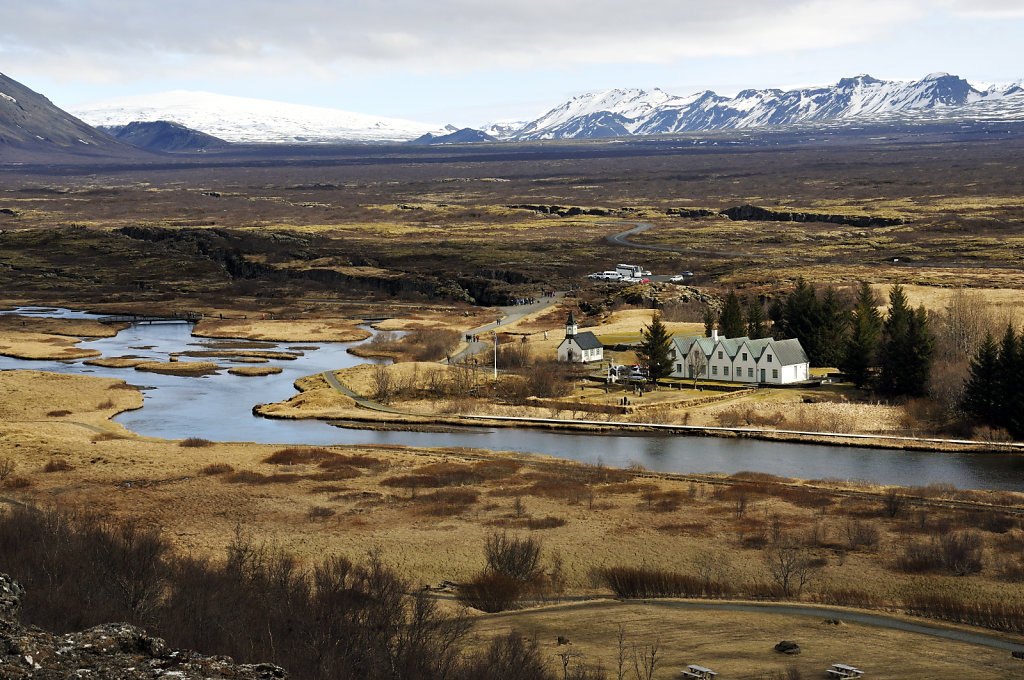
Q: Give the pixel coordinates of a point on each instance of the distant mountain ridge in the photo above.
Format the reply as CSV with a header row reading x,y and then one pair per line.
x,y
162,135
626,112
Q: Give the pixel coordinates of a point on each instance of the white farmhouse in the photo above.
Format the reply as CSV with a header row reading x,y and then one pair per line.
x,y
774,362
579,347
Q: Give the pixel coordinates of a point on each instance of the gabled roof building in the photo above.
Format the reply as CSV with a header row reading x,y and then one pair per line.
x,y
579,347
774,362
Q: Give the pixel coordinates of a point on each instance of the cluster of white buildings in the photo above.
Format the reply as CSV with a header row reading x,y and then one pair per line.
x,y
765,360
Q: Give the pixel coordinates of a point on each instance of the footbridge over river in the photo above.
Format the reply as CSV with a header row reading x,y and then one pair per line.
x,y
182,317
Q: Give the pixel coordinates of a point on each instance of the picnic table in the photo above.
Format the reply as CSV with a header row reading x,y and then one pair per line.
x,y
698,672
841,670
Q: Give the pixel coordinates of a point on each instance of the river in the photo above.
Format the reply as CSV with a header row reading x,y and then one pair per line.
x,y
219,407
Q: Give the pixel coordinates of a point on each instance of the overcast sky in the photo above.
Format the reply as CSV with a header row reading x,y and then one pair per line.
x,y
472,61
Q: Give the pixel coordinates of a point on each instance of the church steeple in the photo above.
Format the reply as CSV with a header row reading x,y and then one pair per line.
x,y
570,326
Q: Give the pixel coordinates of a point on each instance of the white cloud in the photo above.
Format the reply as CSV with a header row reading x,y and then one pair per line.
x,y
128,40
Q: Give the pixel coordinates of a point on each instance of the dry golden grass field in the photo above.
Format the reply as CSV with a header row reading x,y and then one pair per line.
x,y
429,513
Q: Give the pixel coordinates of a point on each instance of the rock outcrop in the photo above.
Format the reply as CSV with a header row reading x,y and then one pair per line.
x,y
113,651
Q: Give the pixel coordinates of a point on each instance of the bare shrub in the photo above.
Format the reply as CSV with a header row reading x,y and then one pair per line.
x,y
320,512
431,344
382,384
7,467
549,522
861,534
57,465
893,502
16,482
959,553
109,403
295,455
59,413
446,502
643,582
195,443
490,591
217,469
513,355
517,558
790,566
549,379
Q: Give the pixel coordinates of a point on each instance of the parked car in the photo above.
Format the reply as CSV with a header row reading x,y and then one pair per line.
x,y
596,276
682,276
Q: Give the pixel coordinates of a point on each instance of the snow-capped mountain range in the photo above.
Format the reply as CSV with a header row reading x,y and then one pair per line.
x,y
241,119
650,112
611,113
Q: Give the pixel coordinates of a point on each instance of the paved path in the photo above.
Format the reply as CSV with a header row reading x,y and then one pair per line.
x,y
510,315
363,402
994,640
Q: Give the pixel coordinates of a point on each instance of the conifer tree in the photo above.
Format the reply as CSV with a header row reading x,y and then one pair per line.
x,y
730,321
831,335
777,315
654,348
1009,371
862,343
709,321
981,396
755,320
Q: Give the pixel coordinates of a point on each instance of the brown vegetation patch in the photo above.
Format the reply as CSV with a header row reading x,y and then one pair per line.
x,y
254,371
182,368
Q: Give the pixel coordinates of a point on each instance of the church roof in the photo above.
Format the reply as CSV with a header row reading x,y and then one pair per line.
x,y
585,340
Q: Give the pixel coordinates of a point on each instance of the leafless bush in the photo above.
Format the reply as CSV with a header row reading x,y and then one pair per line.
x,y
431,344
517,558
490,591
643,582
790,566
550,379
195,443
295,455
7,467
382,384
320,512
217,469
57,465
59,413
549,522
861,534
16,482
893,502
959,553
513,355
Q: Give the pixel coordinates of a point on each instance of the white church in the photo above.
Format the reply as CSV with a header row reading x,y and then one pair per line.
x,y
579,347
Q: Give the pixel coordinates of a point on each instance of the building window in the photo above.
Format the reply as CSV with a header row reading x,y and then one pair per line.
x,y
744,356
769,358
775,373
679,368
672,354
719,354
750,373
725,370
714,370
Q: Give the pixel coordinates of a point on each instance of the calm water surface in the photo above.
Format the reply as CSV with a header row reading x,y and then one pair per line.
x,y
219,407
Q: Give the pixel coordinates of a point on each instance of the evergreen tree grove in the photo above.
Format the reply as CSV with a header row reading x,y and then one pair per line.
x,y
907,348
982,390
653,351
755,320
